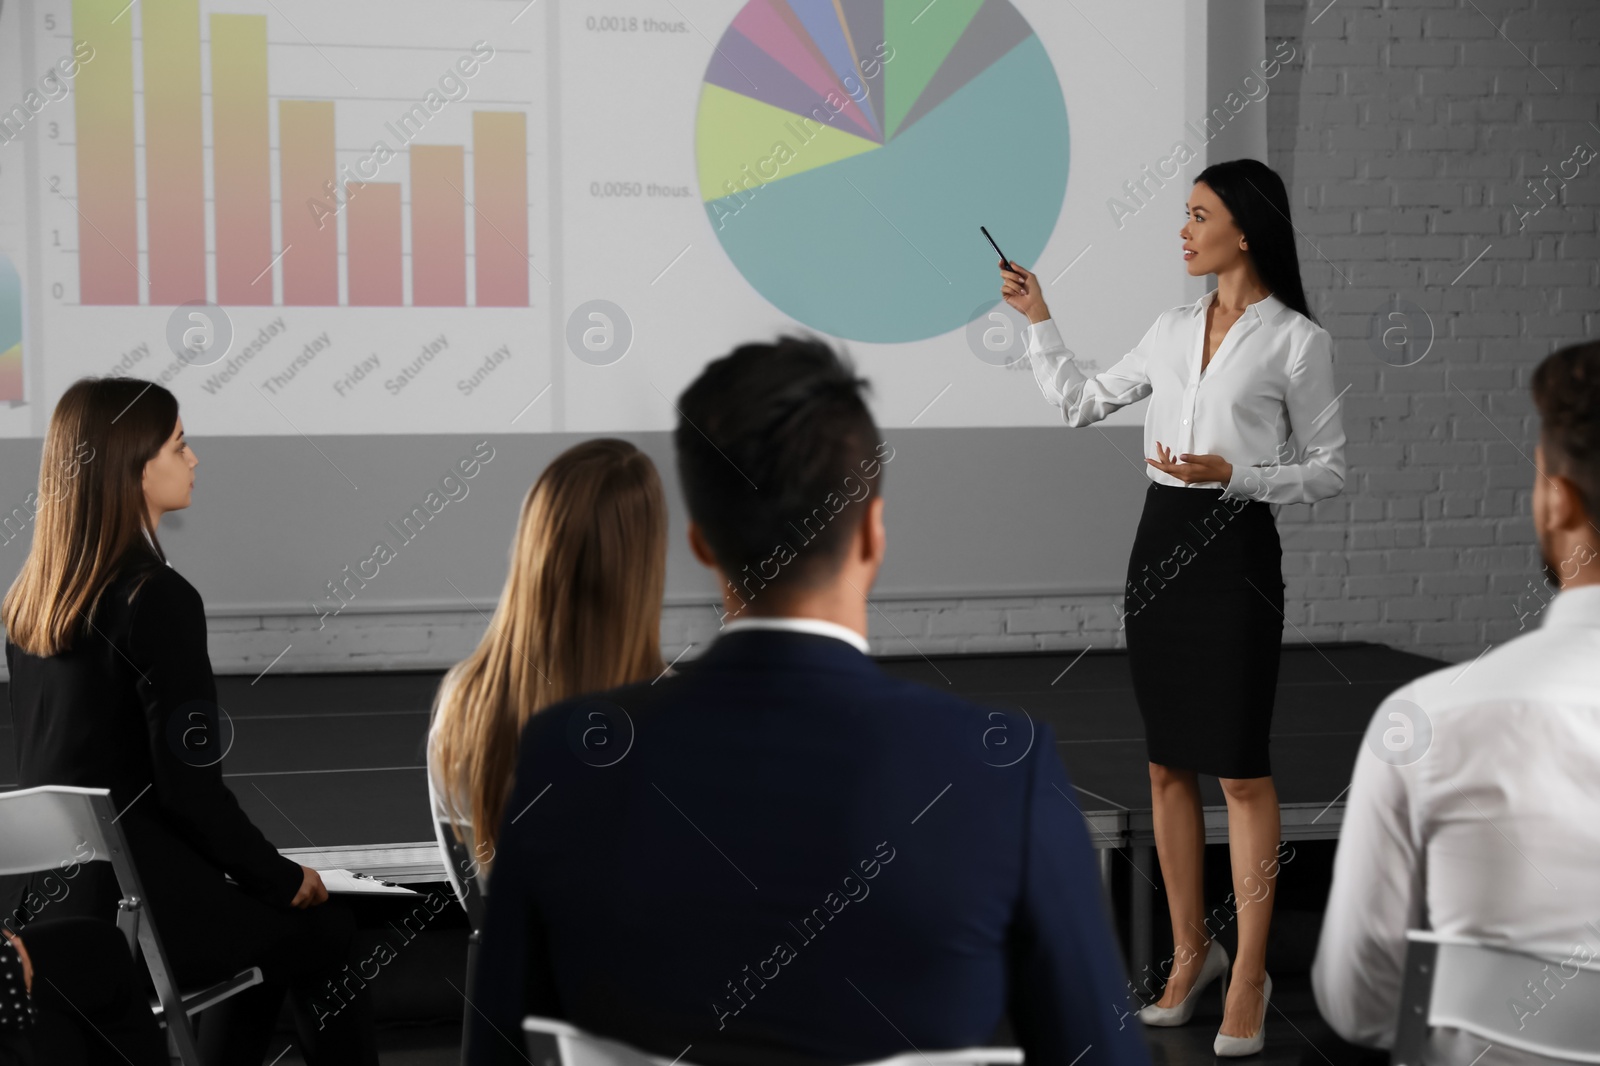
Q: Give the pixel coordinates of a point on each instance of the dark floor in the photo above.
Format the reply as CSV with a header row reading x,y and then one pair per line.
x,y
1295,1036
411,1045
337,759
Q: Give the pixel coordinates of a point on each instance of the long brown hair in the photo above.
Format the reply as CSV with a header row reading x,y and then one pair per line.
x,y
580,612
91,507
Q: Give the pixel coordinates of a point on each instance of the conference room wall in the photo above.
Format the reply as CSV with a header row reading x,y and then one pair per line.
x,y
1409,135
1001,539
998,538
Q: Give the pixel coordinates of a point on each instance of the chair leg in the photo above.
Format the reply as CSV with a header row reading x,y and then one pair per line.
x,y
1416,991
180,1039
466,1009
179,1033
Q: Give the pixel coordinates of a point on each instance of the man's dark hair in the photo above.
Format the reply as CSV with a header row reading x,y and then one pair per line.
x,y
1566,389
774,443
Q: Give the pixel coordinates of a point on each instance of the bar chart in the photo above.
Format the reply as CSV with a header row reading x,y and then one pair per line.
x,y
352,200
291,224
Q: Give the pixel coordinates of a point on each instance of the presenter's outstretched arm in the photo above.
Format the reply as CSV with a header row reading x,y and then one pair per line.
x,y
1083,399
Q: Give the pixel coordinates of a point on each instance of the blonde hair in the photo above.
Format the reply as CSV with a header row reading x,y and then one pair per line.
x,y
580,612
90,508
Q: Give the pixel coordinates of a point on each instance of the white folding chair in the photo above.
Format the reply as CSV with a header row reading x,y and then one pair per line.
x,y
461,869
1540,1001
48,828
557,1043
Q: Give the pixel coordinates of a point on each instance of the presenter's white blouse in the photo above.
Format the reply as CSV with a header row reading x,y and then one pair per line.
x,y
1266,402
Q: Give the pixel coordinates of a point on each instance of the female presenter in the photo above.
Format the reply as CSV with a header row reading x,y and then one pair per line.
x,y
1231,377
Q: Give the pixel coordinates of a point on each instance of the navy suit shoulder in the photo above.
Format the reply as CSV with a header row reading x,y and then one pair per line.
x,y
853,683
898,701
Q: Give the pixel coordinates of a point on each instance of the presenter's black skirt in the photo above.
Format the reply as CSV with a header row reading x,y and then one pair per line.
x,y
1203,612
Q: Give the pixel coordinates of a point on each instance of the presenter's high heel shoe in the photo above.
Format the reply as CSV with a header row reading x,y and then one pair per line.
x,y
1215,965
1234,1046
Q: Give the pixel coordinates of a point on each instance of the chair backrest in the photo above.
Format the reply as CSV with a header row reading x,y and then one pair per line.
x,y
55,826
50,826
1536,1000
465,877
971,1056
567,1045
460,867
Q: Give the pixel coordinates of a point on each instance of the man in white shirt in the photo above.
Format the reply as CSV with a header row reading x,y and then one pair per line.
x,y
1474,808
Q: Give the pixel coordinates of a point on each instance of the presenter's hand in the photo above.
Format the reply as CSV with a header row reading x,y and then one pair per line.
x,y
1192,468
1020,288
312,890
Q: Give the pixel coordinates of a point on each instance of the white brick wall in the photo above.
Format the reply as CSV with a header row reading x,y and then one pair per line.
x,y
1406,131
375,641
1406,135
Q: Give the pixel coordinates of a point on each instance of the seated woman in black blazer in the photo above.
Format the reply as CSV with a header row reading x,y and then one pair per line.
x,y
111,687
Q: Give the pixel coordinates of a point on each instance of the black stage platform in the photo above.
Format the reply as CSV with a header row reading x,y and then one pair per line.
x,y
331,766
334,760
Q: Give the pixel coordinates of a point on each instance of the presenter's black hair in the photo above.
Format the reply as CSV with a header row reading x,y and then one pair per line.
x,y
1566,390
778,457
1254,195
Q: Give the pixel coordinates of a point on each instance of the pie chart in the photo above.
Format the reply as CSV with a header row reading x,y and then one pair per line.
x,y
10,330
848,150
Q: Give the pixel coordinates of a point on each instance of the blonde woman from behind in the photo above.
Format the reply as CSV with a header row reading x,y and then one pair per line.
x,y
580,612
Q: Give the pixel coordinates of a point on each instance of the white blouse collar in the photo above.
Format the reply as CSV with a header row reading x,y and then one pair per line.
x,y
1266,309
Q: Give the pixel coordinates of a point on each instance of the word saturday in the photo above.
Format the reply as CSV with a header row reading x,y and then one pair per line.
x,y
430,351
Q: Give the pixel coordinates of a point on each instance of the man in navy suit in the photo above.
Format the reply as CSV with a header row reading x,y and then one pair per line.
x,y
781,855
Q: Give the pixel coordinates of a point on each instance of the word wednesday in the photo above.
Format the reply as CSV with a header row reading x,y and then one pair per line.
x,y
248,352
